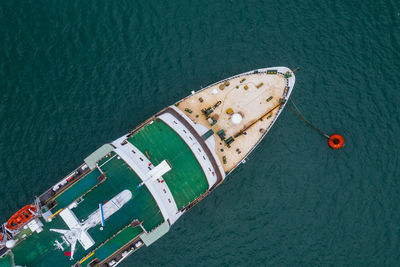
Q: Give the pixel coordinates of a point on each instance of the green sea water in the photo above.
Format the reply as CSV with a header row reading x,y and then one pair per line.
x,y
77,74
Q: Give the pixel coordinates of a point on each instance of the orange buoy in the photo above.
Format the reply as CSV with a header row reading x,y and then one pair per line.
x,y
336,141
21,217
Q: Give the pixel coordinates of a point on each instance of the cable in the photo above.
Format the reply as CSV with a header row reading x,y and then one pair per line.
x,y
306,121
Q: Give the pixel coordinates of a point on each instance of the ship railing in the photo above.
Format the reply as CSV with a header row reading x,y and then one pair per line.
x,y
64,183
133,223
123,252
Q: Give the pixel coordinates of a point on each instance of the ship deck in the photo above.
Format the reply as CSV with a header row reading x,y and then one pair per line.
x,y
246,95
6,261
78,189
256,96
112,245
111,176
119,176
186,179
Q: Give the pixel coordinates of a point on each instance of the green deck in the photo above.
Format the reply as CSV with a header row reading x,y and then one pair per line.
x,y
119,177
186,180
105,159
114,244
77,189
38,249
6,261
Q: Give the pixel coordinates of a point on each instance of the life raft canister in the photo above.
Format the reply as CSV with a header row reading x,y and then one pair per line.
x,y
336,141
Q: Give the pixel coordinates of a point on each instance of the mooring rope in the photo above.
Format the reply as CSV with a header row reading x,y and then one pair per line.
x,y
294,104
306,121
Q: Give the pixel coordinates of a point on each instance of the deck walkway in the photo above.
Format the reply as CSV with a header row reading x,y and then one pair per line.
x,y
200,140
186,180
120,177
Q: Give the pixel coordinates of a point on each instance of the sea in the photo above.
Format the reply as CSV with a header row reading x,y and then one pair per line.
x,y
77,74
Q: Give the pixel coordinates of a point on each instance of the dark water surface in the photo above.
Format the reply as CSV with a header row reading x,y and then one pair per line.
x,y
77,74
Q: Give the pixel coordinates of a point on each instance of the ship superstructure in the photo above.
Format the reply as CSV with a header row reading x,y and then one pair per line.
x,y
128,193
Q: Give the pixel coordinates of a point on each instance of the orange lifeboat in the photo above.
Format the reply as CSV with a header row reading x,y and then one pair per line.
x,y
1,237
21,217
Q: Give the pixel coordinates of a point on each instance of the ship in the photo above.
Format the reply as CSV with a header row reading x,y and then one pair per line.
x,y
128,193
